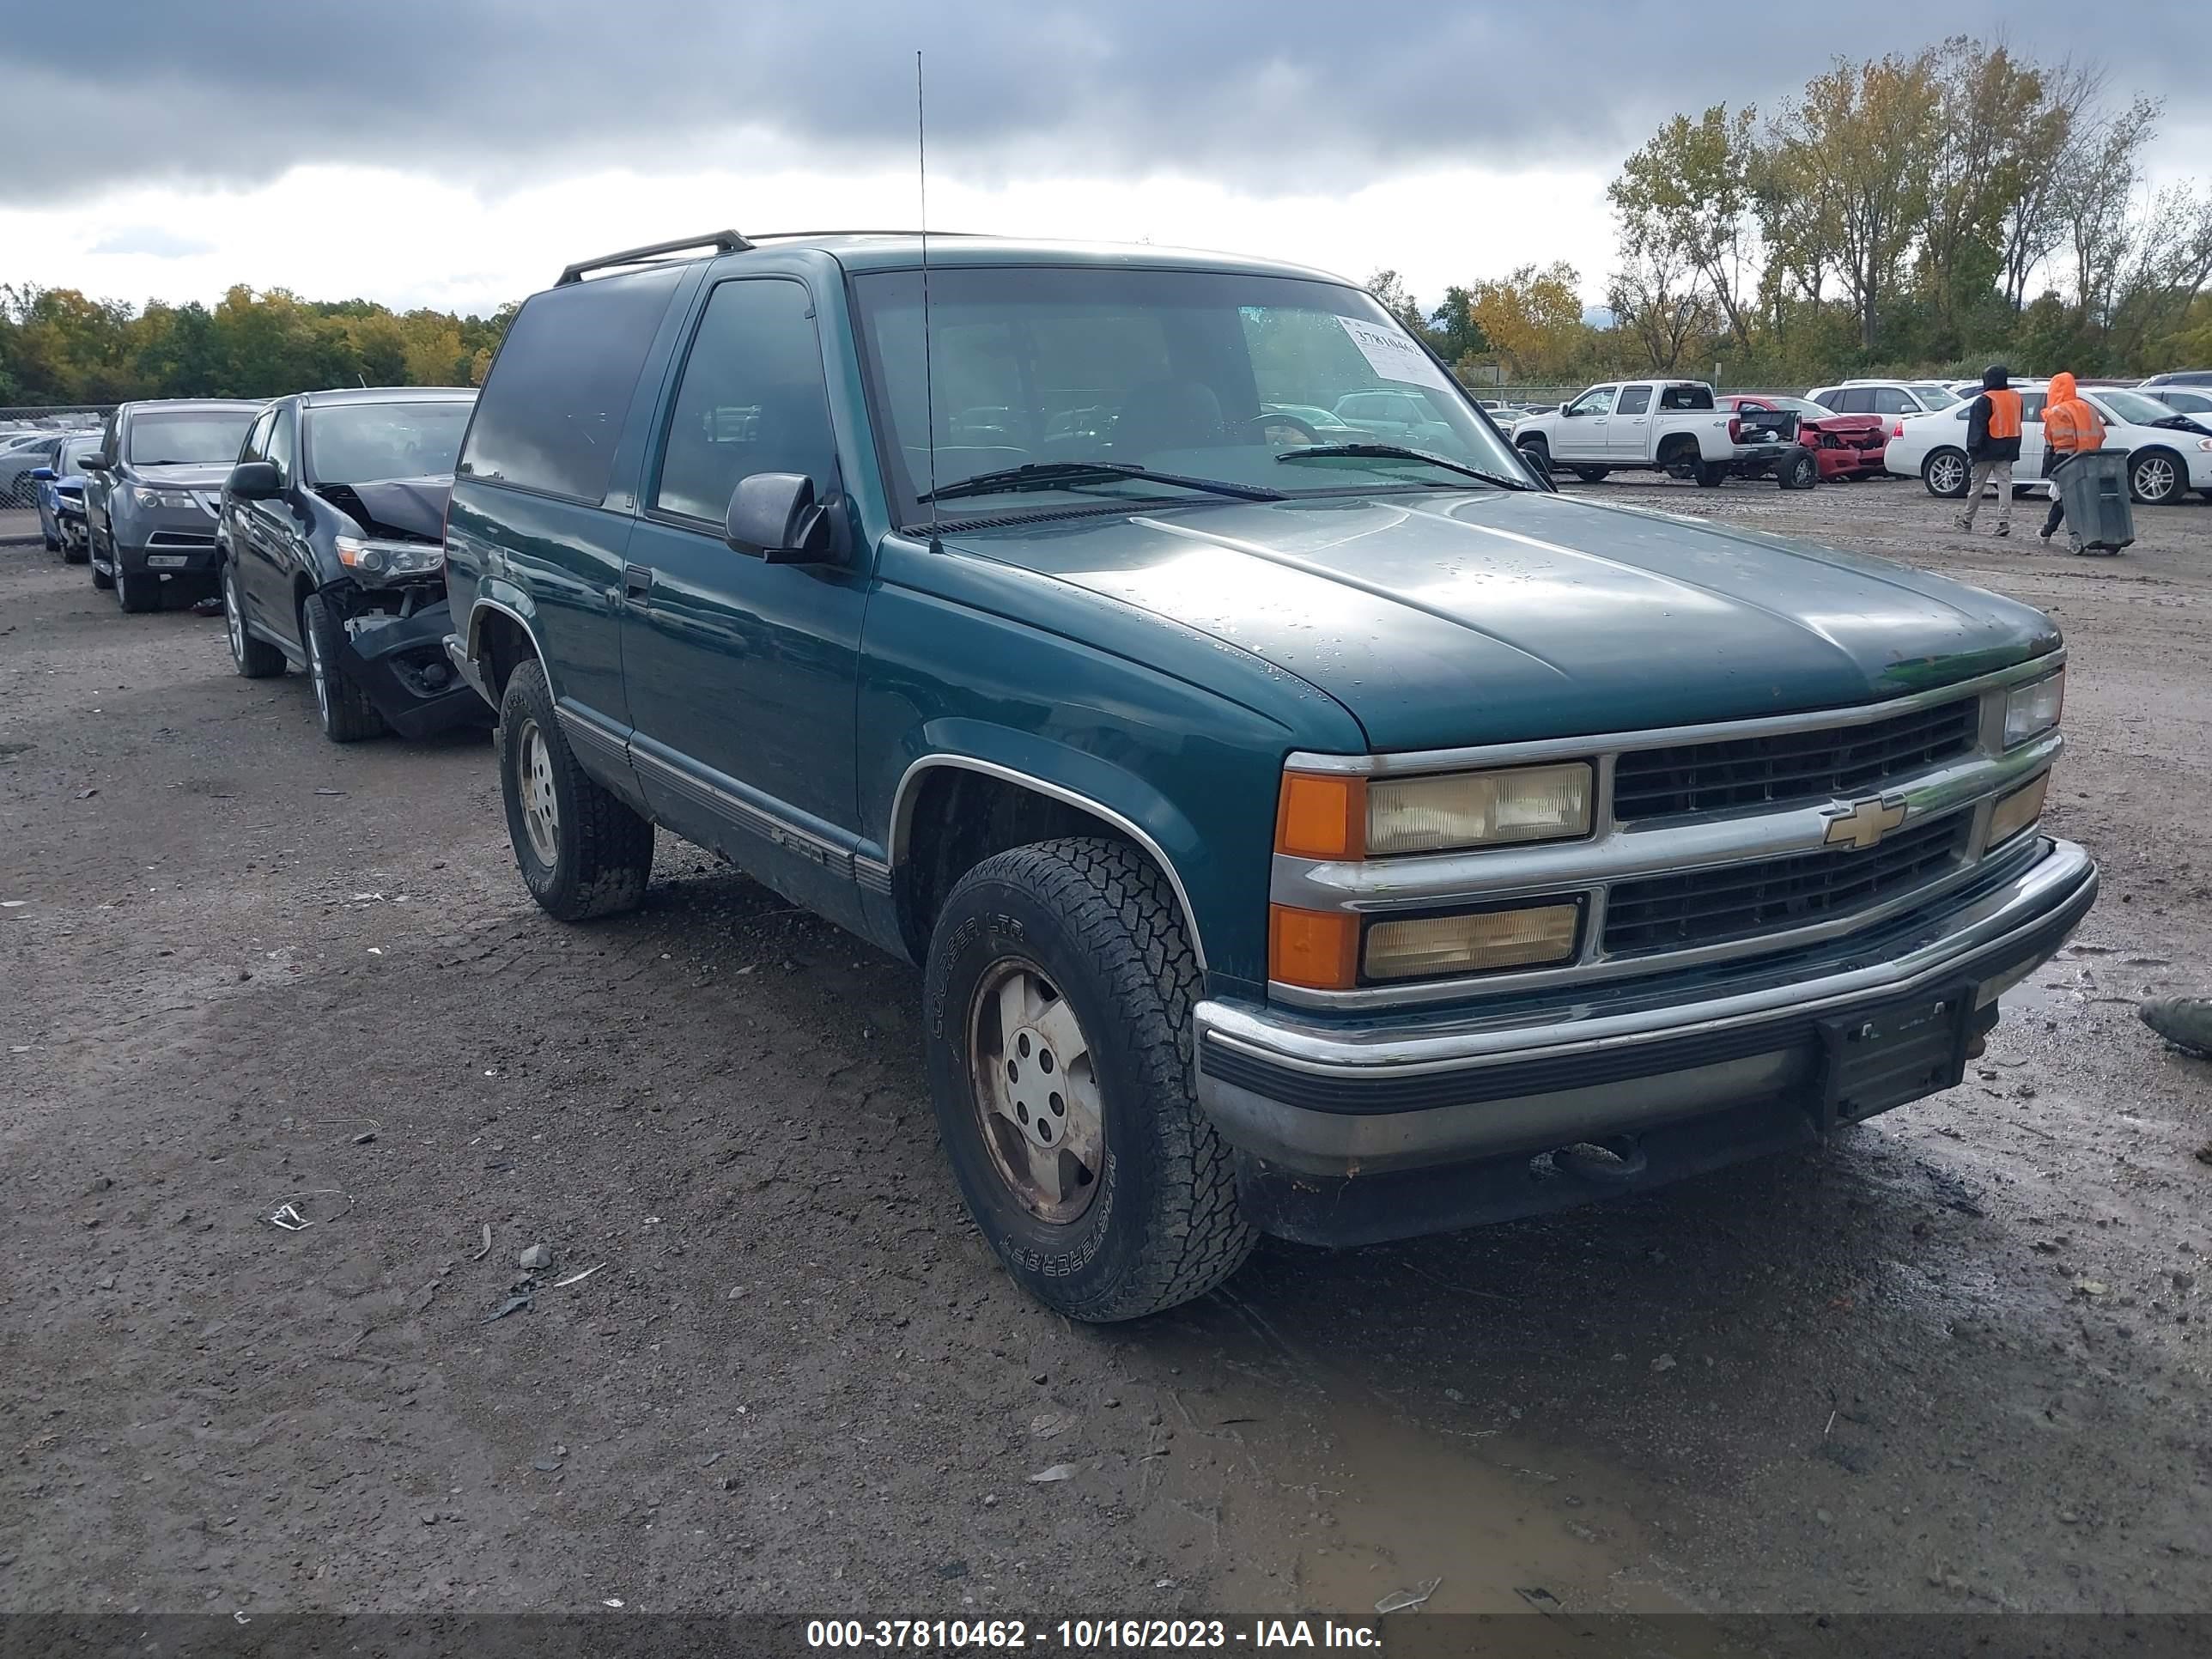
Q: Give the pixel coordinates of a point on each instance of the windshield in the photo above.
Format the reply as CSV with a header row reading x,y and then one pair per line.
x,y
1204,375
187,437
2134,408
1804,407
365,443
1934,396
72,460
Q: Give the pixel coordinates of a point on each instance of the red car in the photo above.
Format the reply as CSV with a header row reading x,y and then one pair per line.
x,y
1845,445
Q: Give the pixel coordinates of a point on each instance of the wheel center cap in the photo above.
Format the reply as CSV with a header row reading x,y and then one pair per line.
x,y
1036,1088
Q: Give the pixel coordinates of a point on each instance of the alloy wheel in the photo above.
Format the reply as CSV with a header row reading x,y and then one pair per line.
x,y
1036,1092
319,674
2154,480
233,623
1946,475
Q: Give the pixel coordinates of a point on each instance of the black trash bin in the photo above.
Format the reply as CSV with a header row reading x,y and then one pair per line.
x,y
2100,510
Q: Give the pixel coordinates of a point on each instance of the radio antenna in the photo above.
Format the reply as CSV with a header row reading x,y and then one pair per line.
x,y
929,376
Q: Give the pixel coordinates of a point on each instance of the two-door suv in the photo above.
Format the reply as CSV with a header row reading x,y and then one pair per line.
x,y
1298,833
151,493
333,556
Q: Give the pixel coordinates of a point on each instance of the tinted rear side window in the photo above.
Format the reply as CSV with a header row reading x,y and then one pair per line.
x,y
554,405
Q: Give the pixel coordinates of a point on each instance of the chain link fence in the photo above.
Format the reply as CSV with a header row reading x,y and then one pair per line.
x,y
41,424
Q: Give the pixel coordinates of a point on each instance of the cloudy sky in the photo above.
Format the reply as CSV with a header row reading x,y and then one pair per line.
x,y
457,153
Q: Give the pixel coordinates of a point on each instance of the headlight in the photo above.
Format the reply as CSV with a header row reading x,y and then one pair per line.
x,y
2034,708
1437,947
1479,809
148,496
2019,810
376,558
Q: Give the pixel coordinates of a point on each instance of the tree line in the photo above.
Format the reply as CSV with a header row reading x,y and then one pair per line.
x,y
1910,213
57,346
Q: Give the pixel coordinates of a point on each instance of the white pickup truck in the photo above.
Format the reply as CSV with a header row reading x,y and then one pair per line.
x,y
1667,426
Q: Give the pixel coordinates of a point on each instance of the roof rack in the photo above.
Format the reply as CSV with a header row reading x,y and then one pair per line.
x,y
722,242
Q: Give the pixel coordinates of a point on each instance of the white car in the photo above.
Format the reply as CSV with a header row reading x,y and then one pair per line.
x,y
1885,397
2169,453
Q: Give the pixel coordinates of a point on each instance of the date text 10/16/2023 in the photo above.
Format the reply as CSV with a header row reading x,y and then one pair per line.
x,y
1087,1635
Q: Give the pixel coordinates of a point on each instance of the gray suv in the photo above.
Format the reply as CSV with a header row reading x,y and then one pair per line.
x,y
152,493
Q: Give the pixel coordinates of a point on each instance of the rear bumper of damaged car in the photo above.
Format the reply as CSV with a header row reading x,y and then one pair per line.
x,y
1350,1134
401,663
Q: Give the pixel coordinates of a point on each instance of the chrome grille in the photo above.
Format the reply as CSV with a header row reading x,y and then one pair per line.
x,y
1790,768
1765,895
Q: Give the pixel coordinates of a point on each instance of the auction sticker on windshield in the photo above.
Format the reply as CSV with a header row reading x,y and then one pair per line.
x,y
1393,356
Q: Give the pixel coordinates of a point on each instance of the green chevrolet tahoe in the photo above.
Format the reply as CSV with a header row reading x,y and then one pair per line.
x,y
1300,829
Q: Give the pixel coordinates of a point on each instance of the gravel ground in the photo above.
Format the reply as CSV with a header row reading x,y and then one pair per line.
x,y
1956,1362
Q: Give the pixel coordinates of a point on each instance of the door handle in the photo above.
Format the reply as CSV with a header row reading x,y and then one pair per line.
x,y
637,580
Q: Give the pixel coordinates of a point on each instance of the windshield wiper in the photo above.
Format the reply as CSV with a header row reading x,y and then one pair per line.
x,y
1064,475
1401,453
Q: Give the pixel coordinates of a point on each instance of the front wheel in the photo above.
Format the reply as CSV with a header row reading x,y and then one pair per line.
x,y
342,709
1593,474
1799,470
2157,477
101,579
134,595
582,852
1709,475
1945,472
1057,1000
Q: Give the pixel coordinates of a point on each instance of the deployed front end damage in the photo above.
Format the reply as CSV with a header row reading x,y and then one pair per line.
x,y
398,659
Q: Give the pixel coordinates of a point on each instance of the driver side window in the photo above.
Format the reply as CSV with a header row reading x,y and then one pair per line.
x,y
283,447
1598,400
256,447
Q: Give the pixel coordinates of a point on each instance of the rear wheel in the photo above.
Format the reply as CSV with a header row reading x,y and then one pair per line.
x,y
255,658
342,709
2157,476
1058,997
581,850
1945,472
1593,474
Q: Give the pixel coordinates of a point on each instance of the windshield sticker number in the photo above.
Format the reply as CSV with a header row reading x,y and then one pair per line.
x,y
1393,356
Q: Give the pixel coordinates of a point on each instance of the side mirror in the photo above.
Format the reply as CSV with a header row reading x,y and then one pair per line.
x,y
42,475
92,463
254,481
1571,413
775,515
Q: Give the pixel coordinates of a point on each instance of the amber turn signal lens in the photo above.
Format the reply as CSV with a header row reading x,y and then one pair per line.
x,y
1322,815
1316,949
2018,811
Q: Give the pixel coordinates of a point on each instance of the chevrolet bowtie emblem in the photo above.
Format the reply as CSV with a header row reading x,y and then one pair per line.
x,y
1863,823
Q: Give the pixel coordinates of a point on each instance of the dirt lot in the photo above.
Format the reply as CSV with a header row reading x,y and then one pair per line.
x,y
1957,1362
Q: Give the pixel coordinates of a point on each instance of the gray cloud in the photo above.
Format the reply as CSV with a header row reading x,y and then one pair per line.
x,y
151,239
1294,96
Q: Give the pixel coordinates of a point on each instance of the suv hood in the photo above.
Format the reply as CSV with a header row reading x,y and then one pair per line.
x,y
411,507
183,477
1448,619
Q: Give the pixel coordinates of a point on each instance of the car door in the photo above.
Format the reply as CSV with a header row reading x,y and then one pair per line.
x,y
248,570
1582,432
99,482
1629,426
742,675
2030,465
277,534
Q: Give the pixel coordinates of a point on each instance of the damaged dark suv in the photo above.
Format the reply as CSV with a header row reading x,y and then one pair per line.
x,y
330,544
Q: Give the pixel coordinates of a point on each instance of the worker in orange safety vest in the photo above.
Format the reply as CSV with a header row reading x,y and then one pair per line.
x,y
1992,445
2071,427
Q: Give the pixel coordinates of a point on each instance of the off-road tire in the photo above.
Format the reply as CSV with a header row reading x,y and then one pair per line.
x,y
342,709
1098,919
1593,474
254,659
603,849
101,579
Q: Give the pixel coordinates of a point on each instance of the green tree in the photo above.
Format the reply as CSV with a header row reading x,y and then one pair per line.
x,y
1685,200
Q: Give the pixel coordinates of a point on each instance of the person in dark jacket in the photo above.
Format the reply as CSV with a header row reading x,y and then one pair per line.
x,y
1992,445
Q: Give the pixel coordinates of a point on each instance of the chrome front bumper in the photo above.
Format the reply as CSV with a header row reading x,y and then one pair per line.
x,y
1338,1098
